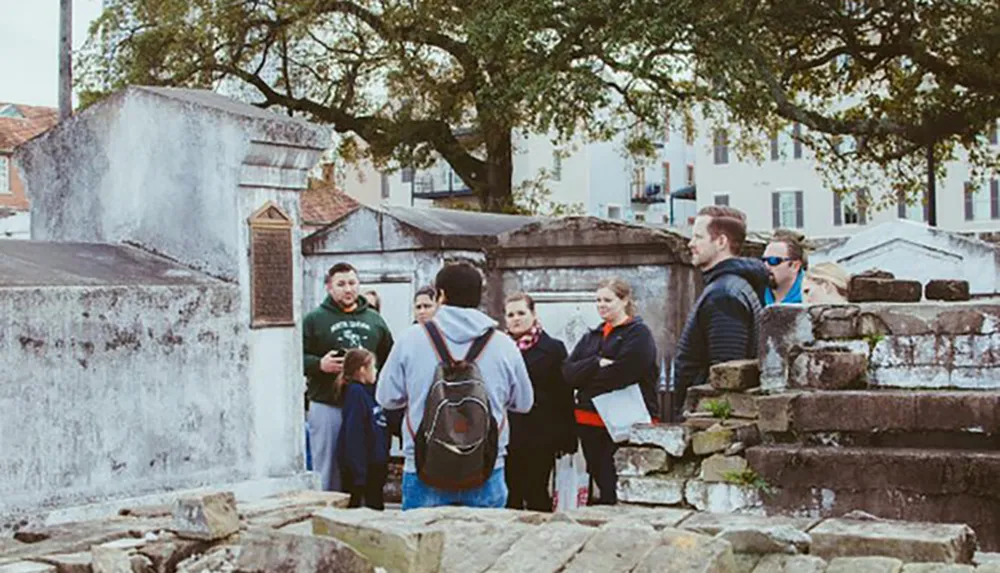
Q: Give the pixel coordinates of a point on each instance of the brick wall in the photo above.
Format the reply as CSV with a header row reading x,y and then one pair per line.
x,y
13,197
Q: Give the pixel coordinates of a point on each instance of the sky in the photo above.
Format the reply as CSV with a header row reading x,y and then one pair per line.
x,y
29,48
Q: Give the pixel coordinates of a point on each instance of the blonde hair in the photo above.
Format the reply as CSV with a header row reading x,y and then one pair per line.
x,y
622,290
830,273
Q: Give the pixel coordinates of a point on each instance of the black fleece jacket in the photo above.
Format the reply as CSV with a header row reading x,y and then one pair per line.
x,y
632,349
723,324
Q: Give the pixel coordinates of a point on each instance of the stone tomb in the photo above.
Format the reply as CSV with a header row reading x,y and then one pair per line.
x,y
149,329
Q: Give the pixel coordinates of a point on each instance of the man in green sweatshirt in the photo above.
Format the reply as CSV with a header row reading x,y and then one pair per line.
x,y
344,321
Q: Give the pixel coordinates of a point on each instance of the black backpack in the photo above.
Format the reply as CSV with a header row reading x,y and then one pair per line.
x,y
457,441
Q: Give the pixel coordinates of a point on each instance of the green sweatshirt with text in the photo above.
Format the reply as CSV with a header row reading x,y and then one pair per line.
x,y
329,327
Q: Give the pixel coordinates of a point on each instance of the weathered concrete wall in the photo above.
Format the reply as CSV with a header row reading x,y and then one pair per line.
x,y
123,391
920,345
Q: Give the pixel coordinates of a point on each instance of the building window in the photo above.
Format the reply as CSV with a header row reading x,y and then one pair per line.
x,y
4,174
385,185
787,210
720,144
775,149
982,203
638,182
407,174
991,132
666,177
722,199
556,166
614,212
850,208
797,141
690,175
912,210
640,217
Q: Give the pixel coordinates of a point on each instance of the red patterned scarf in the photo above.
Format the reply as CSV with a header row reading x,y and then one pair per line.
x,y
529,339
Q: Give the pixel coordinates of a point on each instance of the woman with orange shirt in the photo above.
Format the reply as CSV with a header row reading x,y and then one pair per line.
x,y
618,353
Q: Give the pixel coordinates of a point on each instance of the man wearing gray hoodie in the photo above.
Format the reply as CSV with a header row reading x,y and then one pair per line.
x,y
408,374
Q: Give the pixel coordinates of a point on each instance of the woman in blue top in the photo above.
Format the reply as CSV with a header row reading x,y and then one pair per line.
x,y
364,436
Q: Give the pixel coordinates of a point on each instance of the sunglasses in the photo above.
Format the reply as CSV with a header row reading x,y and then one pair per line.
x,y
774,261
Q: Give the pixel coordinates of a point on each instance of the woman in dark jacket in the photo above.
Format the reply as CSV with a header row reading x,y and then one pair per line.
x,y
618,353
538,437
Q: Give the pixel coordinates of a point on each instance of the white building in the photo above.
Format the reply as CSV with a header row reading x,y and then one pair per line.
x,y
785,190
598,176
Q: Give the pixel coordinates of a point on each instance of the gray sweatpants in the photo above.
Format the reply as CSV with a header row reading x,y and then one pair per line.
x,y
324,429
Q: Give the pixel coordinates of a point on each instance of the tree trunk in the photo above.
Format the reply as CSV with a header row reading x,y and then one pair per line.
x,y
495,193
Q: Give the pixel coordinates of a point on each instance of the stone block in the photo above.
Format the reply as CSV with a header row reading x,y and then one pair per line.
x,y
937,568
864,289
546,548
474,547
876,274
776,412
633,461
168,550
267,551
208,517
269,511
834,322
672,438
740,405
615,549
218,560
720,497
70,562
761,541
115,556
687,552
737,375
713,523
791,564
712,440
600,515
651,490
827,369
865,565
27,567
906,541
947,290
393,546
715,468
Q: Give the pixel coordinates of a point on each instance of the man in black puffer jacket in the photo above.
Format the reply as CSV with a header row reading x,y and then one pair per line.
x,y
723,324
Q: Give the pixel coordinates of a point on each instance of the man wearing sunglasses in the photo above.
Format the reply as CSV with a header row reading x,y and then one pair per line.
x,y
786,264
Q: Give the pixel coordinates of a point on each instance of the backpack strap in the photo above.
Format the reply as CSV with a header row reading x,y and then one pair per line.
x,y
478,345
437,341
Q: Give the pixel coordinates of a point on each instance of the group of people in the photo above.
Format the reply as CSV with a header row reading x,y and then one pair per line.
x,y
483,414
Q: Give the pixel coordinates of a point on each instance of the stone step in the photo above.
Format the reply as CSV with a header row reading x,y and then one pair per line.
x,y
948,486
931,414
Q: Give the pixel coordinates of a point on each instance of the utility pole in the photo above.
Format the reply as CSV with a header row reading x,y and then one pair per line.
x,y
65,58
931,188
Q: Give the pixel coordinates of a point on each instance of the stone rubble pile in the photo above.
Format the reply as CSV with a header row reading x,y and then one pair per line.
x,y
699,464
313,532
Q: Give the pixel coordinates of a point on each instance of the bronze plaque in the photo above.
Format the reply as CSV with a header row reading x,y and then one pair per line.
x,y
271,268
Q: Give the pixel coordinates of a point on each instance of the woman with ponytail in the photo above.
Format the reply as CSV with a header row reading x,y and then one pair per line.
x,y
364,436
616,354
547,431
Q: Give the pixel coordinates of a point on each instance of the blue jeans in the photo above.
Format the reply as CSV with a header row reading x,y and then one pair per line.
x,y
416,494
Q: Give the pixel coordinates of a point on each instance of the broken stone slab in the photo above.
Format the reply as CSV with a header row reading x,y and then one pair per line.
x,y
740,405
27,567
687,552
715,468
267,551
947,290
70,562
865,289
776,412
115,556
601,515
937,568
293,500
651,490
986,558
639,461
208,517
430,515
391,544
746,562
791,564
827,369
472,547
713,523
864,565
737,375
218,560
168,550
761,541
617,548
720,497
544,549
713,440
910,542
672,438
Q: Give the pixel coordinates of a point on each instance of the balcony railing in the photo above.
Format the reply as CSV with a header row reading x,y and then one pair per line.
x,y
651,193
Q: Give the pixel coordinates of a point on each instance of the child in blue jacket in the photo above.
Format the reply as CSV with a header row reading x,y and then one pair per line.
x,y
364,436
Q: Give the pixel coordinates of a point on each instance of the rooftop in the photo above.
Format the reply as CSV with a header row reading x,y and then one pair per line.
x,y
19,123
